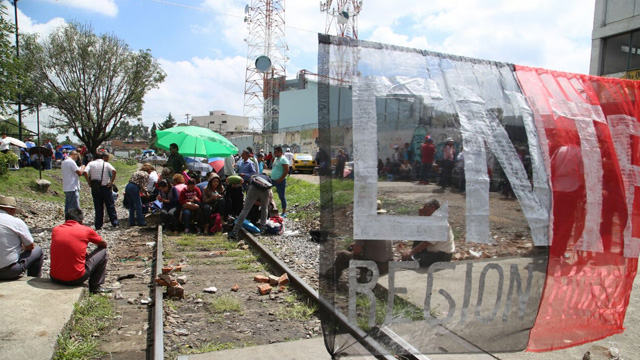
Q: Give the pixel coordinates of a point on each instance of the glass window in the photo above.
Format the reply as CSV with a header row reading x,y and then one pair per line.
x,y
634,51
616,53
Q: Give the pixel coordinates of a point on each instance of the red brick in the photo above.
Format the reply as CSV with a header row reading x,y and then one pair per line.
x,y
261,278
284,279
175,292
264,289
235,287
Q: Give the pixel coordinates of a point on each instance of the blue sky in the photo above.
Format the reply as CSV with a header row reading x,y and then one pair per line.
x,y
200,43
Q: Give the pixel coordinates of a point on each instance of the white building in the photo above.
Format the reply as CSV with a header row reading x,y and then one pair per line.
x,y
220,122
615,47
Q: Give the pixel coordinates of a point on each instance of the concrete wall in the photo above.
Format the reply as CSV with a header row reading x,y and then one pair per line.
x,y
611,17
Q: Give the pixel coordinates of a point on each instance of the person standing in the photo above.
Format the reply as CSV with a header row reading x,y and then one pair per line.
x,y
448,157
70,263
427,150
289,156
279,172
254,193
71,181
137,184
100,175
245,168
260,163
175,161
18,253
47,159
341,160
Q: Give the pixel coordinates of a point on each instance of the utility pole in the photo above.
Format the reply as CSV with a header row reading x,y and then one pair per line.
x,y
187,117
15,9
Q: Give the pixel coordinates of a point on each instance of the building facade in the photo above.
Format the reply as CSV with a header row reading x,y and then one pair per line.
x,y
220,122
615,49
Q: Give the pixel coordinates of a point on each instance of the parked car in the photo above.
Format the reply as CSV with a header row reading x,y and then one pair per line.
x,y
303,162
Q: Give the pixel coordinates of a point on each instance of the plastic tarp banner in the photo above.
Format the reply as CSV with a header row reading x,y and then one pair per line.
x,y
520,180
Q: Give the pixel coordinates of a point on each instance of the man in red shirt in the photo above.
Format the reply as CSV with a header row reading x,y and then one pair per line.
x,y
70,263
427,150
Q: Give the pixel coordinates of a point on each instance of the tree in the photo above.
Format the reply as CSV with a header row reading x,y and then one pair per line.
x,y
11,76
168,123
94,82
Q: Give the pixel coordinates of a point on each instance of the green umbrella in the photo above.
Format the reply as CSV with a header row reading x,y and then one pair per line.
x,y
195,141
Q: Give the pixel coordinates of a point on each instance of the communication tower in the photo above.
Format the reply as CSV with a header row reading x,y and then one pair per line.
x,y
266,63
342,17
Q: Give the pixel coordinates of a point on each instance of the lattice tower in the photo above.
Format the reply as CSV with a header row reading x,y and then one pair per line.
x,y
265,21
342,20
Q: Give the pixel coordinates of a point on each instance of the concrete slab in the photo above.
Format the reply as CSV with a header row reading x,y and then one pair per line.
x,y
477,302
33,311
311,349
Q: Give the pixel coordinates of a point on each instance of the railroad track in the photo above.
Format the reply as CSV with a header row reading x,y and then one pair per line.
x,y
156,348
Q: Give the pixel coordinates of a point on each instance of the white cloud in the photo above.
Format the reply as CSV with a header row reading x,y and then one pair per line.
x,y
196,87
104,7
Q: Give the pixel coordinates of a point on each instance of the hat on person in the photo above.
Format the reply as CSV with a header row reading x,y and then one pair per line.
x,y
396,146
288,149
8,202
449,139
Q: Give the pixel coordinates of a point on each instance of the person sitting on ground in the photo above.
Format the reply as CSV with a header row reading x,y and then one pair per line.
x,y
178,182
256,209
429,252
190,200
18,253
213,201
406,171
233,195
378,251
153,180
169,197
254,193
70,263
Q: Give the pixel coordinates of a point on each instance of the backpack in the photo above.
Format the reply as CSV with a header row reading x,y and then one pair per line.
x,y
275,225
262,182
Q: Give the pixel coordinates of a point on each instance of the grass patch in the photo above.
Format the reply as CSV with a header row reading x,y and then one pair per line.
x,y
14,182
209,347
223,304
303,195
93,315
296,309
401,309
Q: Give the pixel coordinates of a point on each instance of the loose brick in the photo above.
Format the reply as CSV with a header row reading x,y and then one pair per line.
x,y
175,292
235,287
261,279
273,280
264,289
284,279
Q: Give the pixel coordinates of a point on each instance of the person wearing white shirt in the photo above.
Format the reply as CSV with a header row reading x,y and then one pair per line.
x,y
100,176
289,156
18,253
4,144
71,181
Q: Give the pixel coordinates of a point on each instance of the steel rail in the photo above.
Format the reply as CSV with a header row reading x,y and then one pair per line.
x,y
373,346
158,338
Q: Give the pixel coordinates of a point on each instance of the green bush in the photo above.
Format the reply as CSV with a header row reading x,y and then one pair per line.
x,y
6,160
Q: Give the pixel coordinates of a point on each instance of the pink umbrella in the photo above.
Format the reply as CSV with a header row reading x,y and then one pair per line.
x,y
216,163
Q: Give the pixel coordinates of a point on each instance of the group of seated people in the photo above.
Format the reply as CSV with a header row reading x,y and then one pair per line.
x,y
199,205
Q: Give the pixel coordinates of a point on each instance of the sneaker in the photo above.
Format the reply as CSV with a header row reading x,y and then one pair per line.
x,y
100,290
263,231
232,235
198,231
283,215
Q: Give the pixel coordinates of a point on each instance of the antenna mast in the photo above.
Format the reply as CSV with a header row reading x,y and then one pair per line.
x,y
342,17
266,63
